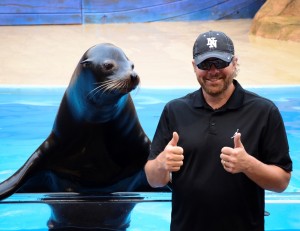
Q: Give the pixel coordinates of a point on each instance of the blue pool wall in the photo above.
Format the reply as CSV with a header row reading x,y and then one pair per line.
x,y
27,116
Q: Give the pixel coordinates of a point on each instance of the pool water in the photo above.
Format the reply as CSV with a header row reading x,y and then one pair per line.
x,y
26,118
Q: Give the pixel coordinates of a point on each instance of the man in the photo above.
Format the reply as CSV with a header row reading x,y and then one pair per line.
x,y
220,146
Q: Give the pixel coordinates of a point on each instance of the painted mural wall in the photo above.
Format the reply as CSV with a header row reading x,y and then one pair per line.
x,y
39,12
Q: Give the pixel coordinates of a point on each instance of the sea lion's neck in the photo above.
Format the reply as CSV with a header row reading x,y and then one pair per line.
x,y
96,110
108,110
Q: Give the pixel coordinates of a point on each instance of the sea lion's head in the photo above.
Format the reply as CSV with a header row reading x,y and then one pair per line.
x,y
102,78
104,72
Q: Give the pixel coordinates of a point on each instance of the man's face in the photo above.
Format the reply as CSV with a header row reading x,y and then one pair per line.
x,y
215,81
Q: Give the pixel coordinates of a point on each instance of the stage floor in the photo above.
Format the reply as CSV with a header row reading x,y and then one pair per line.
x,y
161,51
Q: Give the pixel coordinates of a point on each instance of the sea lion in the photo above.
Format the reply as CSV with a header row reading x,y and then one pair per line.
x,y
97,143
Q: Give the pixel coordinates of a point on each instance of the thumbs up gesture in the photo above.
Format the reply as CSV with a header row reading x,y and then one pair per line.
x,y
172,157
173,142
237,141
235,160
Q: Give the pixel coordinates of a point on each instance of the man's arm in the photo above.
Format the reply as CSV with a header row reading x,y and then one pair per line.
x,y
269,177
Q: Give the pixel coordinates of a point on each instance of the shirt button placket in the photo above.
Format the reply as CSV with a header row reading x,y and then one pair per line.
x,y
212,126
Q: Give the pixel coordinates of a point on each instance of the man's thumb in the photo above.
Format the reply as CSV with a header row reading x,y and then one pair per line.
x,y
174,139
237,141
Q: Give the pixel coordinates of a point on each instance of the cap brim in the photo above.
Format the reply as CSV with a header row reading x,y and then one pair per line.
x,y
213,54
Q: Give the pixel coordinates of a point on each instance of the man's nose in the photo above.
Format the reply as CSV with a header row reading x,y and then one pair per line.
x,y
213,69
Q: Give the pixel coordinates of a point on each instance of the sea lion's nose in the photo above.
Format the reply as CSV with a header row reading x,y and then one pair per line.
x,y
133,76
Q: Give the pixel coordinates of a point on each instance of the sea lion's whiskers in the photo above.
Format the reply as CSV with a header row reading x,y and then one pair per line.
x,y
93,92
137,89
116,84
108,86
104,86
119,84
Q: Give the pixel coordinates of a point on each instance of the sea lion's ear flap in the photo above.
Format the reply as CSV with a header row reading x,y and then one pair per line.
x,y
85,63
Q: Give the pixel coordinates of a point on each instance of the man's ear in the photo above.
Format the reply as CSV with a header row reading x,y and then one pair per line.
x,y
194,65
234,61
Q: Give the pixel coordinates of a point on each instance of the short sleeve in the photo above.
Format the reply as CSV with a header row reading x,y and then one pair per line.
x,y
275,143
162,135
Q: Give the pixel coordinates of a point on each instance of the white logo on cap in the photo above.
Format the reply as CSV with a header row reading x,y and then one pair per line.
x,y
211,42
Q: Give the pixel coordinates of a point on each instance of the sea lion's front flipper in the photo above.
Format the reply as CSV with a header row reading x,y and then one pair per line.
x,y
13,183
31,166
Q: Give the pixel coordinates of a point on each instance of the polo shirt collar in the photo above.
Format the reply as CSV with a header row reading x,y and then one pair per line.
x,y
235,101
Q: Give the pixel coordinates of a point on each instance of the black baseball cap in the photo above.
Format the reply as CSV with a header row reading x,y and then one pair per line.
x,y
213,44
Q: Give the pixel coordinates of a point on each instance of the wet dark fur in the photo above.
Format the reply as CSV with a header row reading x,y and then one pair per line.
x,y
97,139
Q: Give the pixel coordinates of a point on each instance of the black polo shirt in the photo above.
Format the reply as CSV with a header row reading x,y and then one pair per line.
x,y
205,196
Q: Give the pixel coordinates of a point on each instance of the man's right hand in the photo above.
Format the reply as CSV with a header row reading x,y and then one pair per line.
x,y
171,159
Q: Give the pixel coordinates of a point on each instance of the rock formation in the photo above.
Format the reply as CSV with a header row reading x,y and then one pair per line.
x,y
278,20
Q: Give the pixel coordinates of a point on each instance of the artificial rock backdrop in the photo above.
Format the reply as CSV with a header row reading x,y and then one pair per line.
x,y
278,19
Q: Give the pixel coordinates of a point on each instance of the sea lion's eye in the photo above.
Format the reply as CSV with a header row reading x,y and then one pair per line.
x,y
108,66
